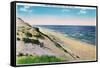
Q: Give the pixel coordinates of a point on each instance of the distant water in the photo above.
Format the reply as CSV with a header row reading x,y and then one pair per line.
x,y
82,33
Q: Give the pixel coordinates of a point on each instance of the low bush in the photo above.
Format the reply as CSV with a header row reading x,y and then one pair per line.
x,y
20,54
27,40
18,39
39,36
37,59
33,41
28,34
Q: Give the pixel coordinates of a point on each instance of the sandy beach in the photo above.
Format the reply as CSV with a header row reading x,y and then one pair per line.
x,y
85,51
36,43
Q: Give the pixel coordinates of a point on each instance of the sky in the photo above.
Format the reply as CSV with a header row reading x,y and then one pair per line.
x,y
53,15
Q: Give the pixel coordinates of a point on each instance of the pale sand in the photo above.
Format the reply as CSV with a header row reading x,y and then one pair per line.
x,y
86,52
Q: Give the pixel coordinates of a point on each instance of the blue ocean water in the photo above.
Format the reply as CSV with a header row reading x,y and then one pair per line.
x,y
83,33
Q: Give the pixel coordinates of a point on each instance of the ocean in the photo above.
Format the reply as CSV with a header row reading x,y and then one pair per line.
x,y
85,34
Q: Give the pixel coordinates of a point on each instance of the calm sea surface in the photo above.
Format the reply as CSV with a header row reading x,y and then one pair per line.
x,y
82,33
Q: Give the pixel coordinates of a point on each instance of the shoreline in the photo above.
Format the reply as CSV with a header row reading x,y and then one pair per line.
x,y
84,50
63,35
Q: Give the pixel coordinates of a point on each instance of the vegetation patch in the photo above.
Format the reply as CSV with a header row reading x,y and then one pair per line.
x,y
28,34
39,36
18,39
34,41
37,59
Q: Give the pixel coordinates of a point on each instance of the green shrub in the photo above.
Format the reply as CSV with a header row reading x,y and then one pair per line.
x,y
37,29
20,54
18,39
28,34
39,36
27,40
35,41
37,59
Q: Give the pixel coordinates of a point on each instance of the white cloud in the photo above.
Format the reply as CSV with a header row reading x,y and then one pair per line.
x,y
82,11
26,6
25,9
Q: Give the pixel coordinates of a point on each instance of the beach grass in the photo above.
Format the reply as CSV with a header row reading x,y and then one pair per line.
x,y
36,59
